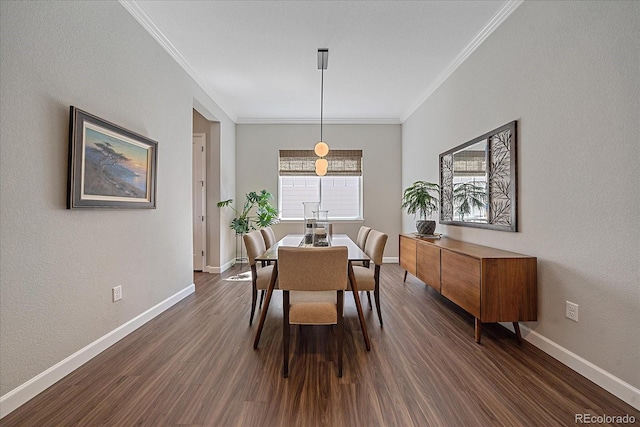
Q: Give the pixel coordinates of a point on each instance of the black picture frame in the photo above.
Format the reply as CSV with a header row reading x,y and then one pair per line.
x,y
109,166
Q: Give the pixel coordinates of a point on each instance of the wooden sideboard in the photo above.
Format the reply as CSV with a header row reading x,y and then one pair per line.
x,y
491,284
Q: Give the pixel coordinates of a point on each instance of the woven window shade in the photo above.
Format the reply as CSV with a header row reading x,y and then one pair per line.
x,y
303,162
470,163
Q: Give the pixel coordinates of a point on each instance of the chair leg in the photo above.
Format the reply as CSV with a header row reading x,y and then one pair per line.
x,y
286,330
261,298
340,330
369,297
254,297
376,294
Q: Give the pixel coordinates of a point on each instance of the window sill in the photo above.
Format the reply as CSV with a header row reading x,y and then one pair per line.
x,y
334,221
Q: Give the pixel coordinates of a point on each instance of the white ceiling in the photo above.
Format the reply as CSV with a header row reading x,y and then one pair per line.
x,y
258,59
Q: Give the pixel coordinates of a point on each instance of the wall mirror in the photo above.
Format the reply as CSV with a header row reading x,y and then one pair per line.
x,y
478,180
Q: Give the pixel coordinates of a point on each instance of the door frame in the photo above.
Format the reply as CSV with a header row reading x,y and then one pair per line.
x,y
199,199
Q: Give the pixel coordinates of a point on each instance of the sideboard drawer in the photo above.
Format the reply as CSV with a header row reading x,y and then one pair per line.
x,y
461,281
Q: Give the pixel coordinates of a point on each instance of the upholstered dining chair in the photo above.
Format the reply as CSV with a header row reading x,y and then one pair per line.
x,y
369,279
361,241
260,277
269,236
363,233
313,281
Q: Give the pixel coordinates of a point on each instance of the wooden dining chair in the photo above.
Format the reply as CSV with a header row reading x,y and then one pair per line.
x,y
313,281
260,275
368,279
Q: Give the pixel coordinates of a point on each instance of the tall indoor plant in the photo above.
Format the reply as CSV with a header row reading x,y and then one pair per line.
x,y
256,212
421,200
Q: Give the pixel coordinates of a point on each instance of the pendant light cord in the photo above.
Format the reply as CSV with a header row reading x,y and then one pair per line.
x,y
321,101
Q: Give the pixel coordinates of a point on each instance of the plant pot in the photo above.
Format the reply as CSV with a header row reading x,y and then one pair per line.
x,y
426,227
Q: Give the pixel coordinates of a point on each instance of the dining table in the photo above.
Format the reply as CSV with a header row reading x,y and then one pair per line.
x,y
355,254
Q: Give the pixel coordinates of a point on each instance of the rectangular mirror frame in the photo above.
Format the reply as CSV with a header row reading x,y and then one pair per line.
x,y
502,188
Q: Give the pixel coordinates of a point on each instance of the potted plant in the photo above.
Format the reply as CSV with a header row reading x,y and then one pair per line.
x,y
256,212
468,195
421,200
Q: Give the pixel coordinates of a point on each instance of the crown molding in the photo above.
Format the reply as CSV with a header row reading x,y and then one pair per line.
x,y
484,33
136,11
147,23
316,121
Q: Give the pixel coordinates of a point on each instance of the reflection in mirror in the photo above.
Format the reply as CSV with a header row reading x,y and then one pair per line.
x,y
478,181
470,183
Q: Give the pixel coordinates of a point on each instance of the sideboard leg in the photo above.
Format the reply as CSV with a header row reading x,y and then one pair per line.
x,y
405,276
478,330
516,327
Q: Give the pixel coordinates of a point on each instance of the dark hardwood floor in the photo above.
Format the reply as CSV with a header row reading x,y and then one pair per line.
x,y
195,365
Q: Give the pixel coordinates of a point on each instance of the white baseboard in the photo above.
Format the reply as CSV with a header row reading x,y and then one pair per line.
x,y
391,260
21,394
221,269
211,269
614,385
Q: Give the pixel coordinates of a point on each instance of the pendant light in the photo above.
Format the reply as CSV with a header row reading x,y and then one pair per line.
x,y
322,149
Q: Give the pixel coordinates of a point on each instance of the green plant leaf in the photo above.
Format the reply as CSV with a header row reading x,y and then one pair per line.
x,y
419,199
225,203
265,214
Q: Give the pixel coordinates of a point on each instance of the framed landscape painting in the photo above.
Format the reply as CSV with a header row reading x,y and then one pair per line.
x,y
109,166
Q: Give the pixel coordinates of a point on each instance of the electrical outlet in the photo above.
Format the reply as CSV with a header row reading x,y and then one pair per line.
x,y
572,311
116,293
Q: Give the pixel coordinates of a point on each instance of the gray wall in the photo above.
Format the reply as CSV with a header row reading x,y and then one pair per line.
x,y
58,266
257,168
568,72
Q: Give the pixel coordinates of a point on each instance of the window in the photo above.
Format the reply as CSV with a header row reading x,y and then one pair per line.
x,y
339,192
